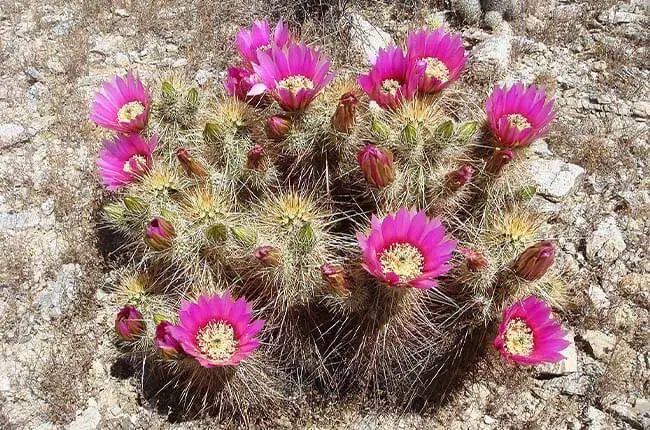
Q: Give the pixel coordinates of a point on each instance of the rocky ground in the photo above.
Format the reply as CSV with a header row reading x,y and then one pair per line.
x,y
57,365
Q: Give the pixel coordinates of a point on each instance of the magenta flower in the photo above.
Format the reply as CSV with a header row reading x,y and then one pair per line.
x,y
294,75
406,249
217,331
125,159
123,105
528,334
518,115
259,39
239,82
159,234
441,53
392,78
168,346
128,323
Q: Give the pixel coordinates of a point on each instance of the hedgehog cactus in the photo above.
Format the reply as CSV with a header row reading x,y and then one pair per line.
x,y
377,229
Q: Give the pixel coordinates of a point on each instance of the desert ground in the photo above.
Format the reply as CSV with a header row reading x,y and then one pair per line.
x,y
58,367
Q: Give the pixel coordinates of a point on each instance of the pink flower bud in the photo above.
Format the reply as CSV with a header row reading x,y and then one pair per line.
x,y
189,164
377,165
343,118
268,255
255,157
168,346
159,234
460,176
128,323
474,259
498,161
277,126
336,278
533,263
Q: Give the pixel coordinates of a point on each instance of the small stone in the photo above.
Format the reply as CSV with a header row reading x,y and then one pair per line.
x,y
12,134
599,66
489,420
368,38
170,47
122,13
540,147
34,75
600,344
203,76
597,419
568,365
641,109
598,298
181,62
555,179
121,60
607,242
88,419
60,292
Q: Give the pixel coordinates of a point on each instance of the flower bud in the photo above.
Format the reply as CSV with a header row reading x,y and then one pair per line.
x,y
135,204
217,233
446,129
498,161
306,237
244,236
277,126
114,212
190,165
467,130
377,165
379,129
533,263
168,346
128,323
460,176
159,234
211,132
409,133
268,255
336,278
255,157
474,259
343,119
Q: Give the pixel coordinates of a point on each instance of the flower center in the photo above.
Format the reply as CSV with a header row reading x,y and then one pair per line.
x,y
436,69
130,111
264,48
518,121
403,259
519,337
217,341
296,83
136,164
390,86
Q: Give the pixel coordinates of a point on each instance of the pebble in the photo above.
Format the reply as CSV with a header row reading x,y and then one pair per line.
x,y
555,179
606,243
601,345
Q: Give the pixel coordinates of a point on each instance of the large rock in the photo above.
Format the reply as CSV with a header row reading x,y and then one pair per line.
x,y
490,59
368,38
59,293
606,243
600,345
555,179
12,134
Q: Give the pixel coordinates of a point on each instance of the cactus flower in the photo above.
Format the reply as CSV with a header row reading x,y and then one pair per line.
x,y
442,55
189,164
239,82
343,119
498,161
406,249
159,234
533,263
294,75
122,105
128,323
168,346
277,126
267,255
376,165
529,335
336,278
259,39
125,159
217,330
475,260
518,115
460,176
392,78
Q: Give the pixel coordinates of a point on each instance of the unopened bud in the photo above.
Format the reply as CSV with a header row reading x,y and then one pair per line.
x,y
533,263
159,234
135,204
217,233
446,129
114,212
460,177
376,165
211,132
128,323
306,237
244,236
467,130
409,133
255,157
277,126
343,119
498,161
475,260
379,129
193,96
268,255
167,345
336,278
191,166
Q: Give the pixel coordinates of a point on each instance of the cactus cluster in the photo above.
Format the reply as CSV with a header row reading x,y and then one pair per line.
x,y
307,232
494,11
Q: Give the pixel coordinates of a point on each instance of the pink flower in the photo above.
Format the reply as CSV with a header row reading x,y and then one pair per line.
x,y
217,331
441,53
406,249
125,159
159,234
528,334
294,75
123,105
168,346
376,165
518,115
239,82
128,323
259,39
460,176
392,78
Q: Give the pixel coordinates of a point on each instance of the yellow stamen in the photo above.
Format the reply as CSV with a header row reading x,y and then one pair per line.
x,y
518,337
403,259
436,69
130,111
390,86
296,83
217,341
135,164
519,121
